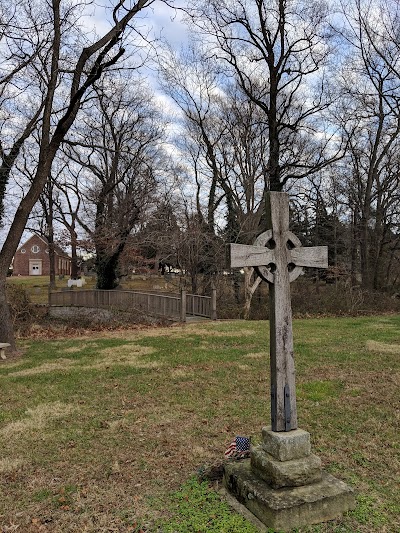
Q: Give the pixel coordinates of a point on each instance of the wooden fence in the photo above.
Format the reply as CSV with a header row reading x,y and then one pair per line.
x,y
166,305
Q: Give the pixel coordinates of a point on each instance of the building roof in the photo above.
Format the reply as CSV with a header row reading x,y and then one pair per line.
x,y
59,251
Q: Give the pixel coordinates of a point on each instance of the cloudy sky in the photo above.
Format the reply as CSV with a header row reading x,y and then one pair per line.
x,y
160,19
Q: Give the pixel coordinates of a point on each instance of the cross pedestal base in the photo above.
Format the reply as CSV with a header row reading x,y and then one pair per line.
x,y
283,485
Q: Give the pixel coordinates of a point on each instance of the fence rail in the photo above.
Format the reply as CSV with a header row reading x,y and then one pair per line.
x,y
166,305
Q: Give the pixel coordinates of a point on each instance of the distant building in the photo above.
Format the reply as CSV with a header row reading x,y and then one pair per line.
x,y
32,259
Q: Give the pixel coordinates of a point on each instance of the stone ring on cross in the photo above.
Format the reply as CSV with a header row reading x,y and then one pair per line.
x,y
277,251
266,272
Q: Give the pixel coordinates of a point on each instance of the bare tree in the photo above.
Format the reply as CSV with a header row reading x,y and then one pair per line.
x,y
67,207
275,49
371,107
198,253
24,37
117,145
191,82
159,237
266,123
58,115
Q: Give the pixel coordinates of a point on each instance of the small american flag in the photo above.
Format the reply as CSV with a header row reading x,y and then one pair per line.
x,y
238,448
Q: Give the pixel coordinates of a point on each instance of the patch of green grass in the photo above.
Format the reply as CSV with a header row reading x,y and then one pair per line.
x,y
41,495
318,391
369,512
198,509
62,497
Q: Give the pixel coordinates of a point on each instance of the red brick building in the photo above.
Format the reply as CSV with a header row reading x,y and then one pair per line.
x,y
32,259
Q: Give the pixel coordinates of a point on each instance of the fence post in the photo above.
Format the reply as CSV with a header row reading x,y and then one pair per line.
x,y
213,303
183,305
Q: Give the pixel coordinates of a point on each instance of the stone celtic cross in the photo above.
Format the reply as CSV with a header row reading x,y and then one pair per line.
x,y
278,257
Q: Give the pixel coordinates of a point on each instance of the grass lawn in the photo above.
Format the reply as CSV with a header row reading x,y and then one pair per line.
x,y
106,433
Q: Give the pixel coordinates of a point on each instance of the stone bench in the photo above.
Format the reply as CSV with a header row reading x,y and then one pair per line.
x,y
3,346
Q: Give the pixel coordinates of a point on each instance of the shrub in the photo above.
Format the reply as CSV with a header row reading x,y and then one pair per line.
x,y
20,305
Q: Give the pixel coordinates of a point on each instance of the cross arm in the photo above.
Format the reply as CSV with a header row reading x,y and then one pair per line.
x,y
313,256
242,255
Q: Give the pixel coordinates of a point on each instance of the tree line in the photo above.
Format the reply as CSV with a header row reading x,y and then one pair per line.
x,y
267,95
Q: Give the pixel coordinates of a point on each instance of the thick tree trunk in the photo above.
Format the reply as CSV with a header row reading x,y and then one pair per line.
x,y
50,237
273,134
389,266
52,264
107,265
106,272
194,283
354,248
6,324
364,252
379,281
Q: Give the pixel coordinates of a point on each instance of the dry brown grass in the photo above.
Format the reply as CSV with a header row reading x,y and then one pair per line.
x,y
382,347
59,365
37,418
128,355
128,350
8,464
258,355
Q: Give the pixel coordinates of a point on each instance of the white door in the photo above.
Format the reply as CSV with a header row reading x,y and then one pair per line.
x,y
35,268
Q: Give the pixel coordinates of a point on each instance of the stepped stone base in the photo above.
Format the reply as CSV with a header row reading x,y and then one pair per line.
x,y
289,507
292,473
283,484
